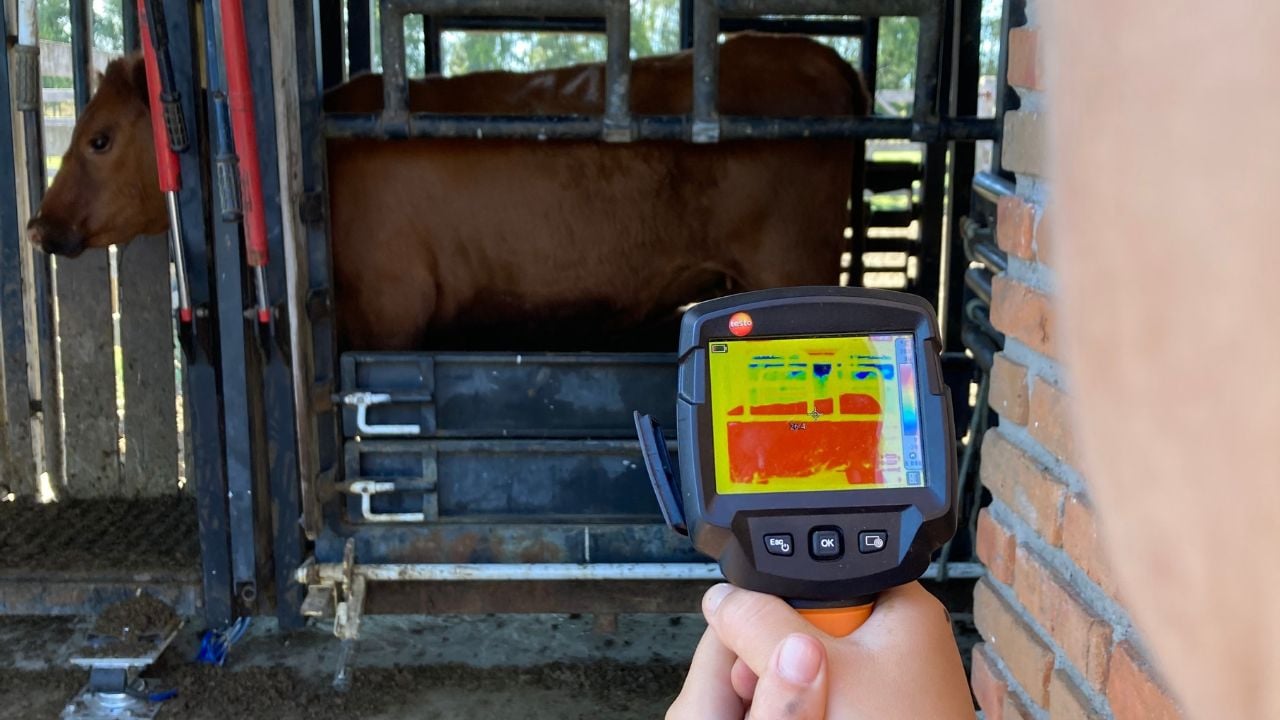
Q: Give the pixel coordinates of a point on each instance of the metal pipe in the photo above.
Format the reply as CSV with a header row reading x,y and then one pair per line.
x,y
652,127
925,107
235,56
524,24
359,37
706,72
462,572
81,41
534,8
795,26
395,82
992,187
861,8
617,72
979,281
983,349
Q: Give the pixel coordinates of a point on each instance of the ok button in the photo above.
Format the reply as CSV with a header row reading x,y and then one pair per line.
x,y
825,544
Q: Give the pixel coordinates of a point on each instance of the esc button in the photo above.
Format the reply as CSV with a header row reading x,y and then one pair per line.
x,y
826,544
779,544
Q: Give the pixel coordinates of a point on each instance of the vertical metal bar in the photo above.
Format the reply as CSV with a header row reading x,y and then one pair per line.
x,y
686,24
129,25
395,84
201,380
431,44
17,462
359,37
329,21
868,52
706,71
963,103
929,268
617,72
925,109
81,42
280,426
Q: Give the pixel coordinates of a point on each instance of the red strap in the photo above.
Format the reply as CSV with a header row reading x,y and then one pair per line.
x,y
166,159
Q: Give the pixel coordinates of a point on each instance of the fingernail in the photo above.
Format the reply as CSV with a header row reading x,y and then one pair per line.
x,y
715,596
800,659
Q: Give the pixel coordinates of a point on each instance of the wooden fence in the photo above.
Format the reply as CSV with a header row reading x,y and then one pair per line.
x,y
114,404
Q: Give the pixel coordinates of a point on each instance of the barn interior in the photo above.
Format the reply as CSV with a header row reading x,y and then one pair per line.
x,y
234,468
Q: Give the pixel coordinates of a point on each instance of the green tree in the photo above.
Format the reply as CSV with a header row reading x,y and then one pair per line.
x,y
53,18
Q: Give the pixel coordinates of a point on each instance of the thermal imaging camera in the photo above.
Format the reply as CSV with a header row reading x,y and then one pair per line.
x,y
816,450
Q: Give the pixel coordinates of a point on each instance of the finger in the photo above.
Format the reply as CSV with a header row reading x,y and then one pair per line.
x,y
743,680
708,692
795,686
752,624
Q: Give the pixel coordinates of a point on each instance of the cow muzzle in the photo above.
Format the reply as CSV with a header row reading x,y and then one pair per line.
x,y
55,238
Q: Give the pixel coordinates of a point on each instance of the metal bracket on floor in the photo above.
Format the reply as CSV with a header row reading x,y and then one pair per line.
x,y
115,692
344,597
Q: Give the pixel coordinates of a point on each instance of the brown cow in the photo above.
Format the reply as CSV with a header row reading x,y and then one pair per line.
x,y
492,243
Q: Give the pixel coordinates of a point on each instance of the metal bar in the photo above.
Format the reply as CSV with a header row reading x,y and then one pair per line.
x,y
447,572
329,22
979,281
579,127
129,25
81,42
395,83
963,100
359,37
499,8
928,68
992,187
797,26
271,43
836,8
706,72
432,54
583,24
686,24
202,389
617,72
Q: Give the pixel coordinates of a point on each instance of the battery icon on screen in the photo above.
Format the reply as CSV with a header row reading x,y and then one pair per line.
x,y
719,347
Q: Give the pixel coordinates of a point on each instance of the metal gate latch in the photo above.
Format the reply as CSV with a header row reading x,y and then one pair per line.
x,y
361,402
366,489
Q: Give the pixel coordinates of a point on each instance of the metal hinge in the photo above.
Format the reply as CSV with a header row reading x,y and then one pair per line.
x,y
361,402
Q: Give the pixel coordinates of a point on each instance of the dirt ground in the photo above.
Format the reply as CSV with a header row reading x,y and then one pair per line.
x,y
517,667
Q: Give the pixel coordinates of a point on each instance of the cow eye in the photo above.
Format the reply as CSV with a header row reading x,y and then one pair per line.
x,y
100,143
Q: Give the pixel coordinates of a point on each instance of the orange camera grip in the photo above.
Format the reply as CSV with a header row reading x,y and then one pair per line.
x,y
838,621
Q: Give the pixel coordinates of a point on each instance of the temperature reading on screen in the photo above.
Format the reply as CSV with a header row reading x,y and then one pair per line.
x,y
807,414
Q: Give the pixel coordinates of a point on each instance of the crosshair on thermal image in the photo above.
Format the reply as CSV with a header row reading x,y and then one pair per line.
x,y
809,414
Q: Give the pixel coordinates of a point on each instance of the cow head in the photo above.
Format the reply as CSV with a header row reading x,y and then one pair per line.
x,y
107,190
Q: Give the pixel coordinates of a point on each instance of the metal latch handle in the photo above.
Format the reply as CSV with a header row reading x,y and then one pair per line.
x,y
366,489
361,402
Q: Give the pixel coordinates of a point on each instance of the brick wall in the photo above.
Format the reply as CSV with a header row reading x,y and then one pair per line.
x,y
1057,641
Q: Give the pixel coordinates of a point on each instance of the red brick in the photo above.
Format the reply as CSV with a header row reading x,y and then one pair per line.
x,y
1024,143
1008,393
1042,239
1025,67
995,547
1080,540
1024,313
1029,660
1133,691
1024,485
1084,637
988,686
1050,420
1067,701
1015,223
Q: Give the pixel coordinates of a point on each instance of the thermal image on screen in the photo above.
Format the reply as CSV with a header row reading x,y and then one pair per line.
x,y
809,414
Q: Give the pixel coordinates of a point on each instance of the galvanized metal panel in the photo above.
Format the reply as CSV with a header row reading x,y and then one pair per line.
x,y
455,395
150,462
524,479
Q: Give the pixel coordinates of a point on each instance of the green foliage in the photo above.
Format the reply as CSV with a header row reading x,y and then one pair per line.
x,y
54,22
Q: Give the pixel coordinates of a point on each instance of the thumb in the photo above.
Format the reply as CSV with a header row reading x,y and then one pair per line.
x,y
795,684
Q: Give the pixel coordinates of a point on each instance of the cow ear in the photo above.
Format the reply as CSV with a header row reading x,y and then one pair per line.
x,y
138,78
